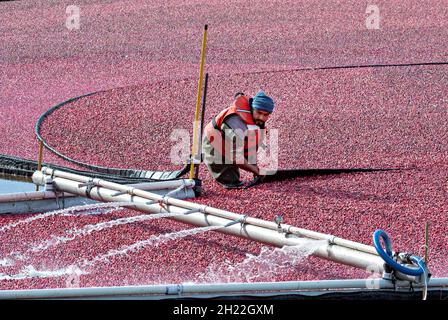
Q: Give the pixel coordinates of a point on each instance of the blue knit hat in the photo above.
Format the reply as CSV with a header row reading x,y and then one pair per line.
x,y
262,102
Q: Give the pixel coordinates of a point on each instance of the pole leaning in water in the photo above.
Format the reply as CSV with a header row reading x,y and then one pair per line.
x,y
198,102
204,97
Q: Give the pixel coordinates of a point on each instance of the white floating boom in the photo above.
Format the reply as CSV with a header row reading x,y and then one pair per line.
x,y
50,199
339,250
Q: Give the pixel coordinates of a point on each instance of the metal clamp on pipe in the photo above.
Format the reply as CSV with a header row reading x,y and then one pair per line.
x,y
86,184
90,184
129,191
174,290
48,184
192,211
56,195
241,220
164,200
163,203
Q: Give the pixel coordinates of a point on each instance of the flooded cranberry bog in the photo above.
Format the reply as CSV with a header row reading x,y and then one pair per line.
x,y
347,96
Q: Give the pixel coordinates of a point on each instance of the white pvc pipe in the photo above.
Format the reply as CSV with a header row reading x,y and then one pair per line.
x,y
39,179
33,195
185,289
159,185
43,195
332,252
219,212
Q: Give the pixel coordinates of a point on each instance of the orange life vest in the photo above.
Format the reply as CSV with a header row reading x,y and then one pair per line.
x,y
216,136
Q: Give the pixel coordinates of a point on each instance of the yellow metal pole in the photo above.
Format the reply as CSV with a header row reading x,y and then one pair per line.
x,y
198,103
39,160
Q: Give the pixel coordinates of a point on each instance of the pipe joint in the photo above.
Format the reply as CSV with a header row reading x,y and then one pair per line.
x,y
130,191
174,290
404,257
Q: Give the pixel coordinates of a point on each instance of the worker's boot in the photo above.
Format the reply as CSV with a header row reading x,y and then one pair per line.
x,y
237,185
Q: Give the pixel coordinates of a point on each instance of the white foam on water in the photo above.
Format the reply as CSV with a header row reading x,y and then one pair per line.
x,y
94,212
266,264
6,262
30,272
90,228
66,212
153,241
9,261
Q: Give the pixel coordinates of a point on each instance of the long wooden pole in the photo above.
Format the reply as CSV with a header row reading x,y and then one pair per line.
x,y
196,175
198,103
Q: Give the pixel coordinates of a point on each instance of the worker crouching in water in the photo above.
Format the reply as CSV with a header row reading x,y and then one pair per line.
x,y
232,138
